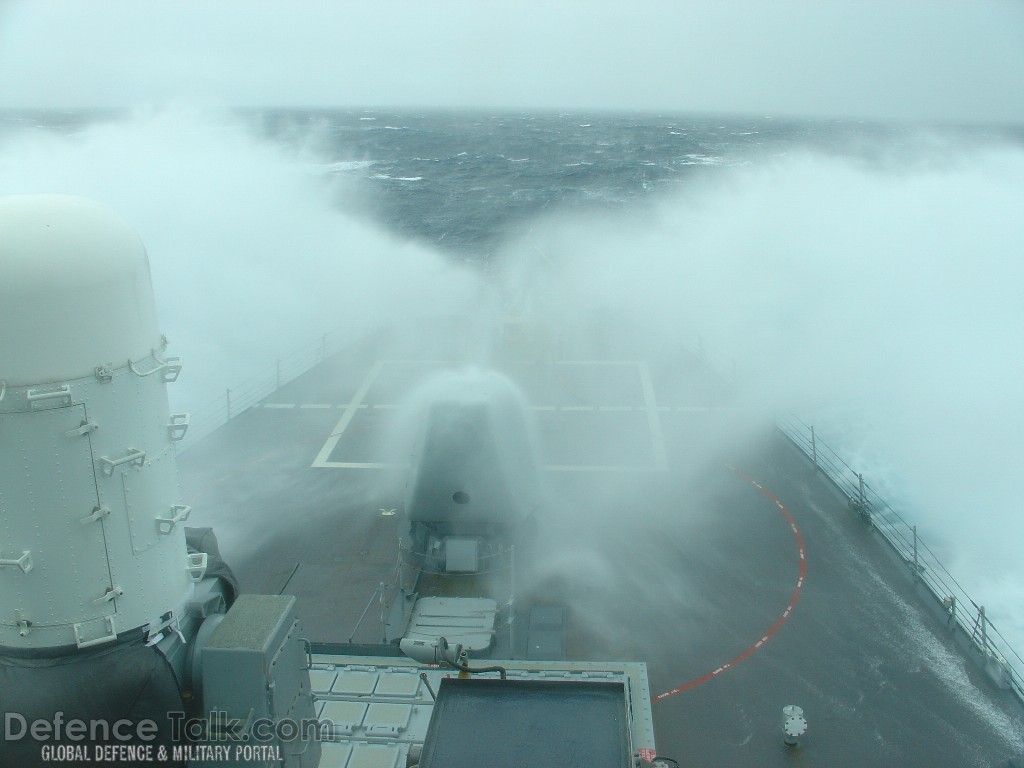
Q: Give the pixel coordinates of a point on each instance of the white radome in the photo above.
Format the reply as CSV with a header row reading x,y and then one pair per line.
x,y
92,544
75,289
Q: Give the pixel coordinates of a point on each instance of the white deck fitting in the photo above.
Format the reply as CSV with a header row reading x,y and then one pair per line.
x,y
468,621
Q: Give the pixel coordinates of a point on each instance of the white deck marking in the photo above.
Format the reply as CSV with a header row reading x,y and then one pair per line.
x,y
649,406
346,417
360,465
596,362
319,406
600,468
544,408
653,420
546,468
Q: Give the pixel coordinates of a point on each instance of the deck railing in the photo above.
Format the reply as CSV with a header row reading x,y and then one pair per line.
x,y
237,399
1000,660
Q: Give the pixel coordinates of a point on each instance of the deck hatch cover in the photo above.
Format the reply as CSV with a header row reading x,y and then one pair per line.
x,y
512,723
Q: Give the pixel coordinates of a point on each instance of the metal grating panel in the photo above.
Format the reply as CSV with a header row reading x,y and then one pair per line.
x,y
359,683
346,716
334,755
321,680
387,719
403,685
377,756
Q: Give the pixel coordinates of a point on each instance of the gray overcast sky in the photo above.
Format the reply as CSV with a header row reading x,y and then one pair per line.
x,y
901,59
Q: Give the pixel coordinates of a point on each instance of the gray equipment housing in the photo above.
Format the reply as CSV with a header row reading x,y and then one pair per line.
x,y
475,486
476,467
255,675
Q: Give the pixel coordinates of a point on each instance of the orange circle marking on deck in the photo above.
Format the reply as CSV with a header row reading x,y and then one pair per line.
x,y
779,621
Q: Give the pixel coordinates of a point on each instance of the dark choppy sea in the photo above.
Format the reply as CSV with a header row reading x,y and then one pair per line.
x,y
466,181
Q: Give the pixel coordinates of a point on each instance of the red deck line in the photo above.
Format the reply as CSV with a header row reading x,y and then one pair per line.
x,y
801,550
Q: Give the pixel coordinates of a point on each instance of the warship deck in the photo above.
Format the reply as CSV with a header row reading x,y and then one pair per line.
x,y
681,532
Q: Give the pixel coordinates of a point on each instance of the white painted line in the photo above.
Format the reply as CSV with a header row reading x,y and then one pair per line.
x,y
653,420
657,437
596,362
346,417
279,405
360,465
416,362
316,405
549,468
599,468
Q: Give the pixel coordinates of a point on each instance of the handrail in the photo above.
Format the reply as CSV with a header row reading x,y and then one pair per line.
x,y
241,397
963,612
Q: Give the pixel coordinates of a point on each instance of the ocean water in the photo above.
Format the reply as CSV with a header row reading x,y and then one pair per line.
x,y
867,276
468,182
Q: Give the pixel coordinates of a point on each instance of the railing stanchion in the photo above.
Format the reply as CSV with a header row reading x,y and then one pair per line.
x,y
917,568
903,537
511,601
984,630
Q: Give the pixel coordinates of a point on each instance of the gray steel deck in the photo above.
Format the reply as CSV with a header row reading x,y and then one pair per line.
x,y
680,532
